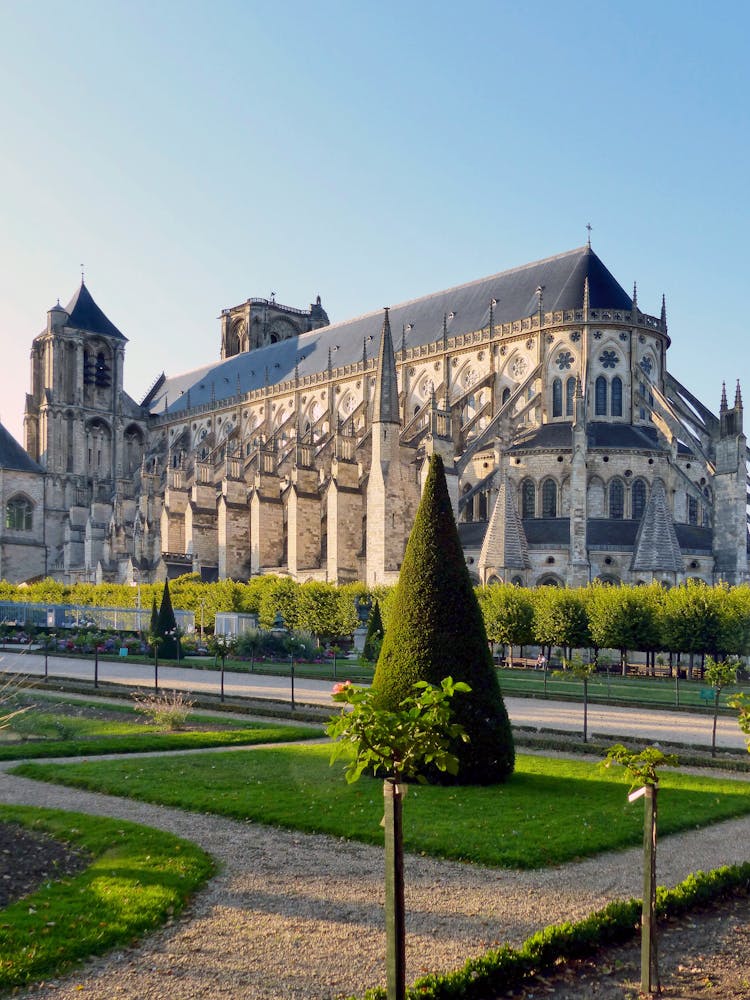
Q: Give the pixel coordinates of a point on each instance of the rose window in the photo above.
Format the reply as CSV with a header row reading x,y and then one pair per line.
x,y
518,368
609,359
564,360
470,378
428,387
647,365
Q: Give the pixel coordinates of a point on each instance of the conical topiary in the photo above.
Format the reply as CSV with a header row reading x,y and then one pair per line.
x,y
167,625
374,635
436,630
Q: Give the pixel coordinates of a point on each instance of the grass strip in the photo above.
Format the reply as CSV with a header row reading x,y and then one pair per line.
x,y
551,811
144,741
504,969
138,879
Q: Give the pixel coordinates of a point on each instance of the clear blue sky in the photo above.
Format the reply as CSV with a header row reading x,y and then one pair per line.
x,y
369,152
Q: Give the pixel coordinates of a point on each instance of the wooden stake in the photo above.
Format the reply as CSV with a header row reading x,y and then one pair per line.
x,y
395,929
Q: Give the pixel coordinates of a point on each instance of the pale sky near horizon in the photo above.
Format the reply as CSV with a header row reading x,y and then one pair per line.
x,y
193,156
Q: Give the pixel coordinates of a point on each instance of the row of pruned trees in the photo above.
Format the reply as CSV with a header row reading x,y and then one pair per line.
x,y
691,620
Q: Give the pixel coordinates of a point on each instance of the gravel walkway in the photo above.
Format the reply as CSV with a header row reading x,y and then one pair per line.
x,y
300,917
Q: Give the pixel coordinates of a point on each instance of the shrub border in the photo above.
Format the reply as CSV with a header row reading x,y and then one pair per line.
x,y
506,968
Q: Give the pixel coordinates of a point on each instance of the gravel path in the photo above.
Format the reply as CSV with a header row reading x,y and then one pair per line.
x,y
300,917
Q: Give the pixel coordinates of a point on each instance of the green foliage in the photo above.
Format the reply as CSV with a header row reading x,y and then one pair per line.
x,y
508,613
398,745
374,637
279,597
641,765
222,646
560,618
436,630
624,618
319,610
166,626
137,879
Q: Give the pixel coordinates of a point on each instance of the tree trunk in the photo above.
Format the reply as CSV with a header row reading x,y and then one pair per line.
x,y
649,971
395,929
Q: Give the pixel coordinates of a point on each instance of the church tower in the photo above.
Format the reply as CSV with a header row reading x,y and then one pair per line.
x,y
730,493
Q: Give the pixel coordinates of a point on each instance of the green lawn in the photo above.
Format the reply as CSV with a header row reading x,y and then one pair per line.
x,y
70,736
552,811
655,692
137,879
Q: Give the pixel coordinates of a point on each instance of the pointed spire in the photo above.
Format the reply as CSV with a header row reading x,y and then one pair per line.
x,y
664,312
445,330
586,298
403,340
656,548
505,545
635,296
330,362
364,353
385,402
296,370
738,397
723,406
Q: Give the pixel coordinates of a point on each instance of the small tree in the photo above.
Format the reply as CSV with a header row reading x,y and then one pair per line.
x,y
397,745
435,629
374,637
576,668
641,767
167,625
222,646
719,674
741,703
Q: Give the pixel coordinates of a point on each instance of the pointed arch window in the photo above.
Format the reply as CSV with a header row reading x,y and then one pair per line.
x,y
692,510
638,500
617,396
19,514
600,397
549,498
506,395
570,395
557,398
528,499
616,500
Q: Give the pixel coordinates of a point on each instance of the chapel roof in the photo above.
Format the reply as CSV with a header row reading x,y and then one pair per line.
x,y
459,310
13,456
85,314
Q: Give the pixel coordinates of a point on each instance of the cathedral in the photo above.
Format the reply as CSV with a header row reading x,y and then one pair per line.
x,y
572,453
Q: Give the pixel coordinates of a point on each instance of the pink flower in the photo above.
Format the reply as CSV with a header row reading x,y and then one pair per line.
x,y
338,688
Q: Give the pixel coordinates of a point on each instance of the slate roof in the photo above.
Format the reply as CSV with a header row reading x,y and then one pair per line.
x,y
85,314
385,402
557,436
504,543
12,455
466,308
656,547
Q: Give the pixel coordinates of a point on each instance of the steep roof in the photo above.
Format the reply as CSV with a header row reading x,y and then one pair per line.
x,y
85,314
656,546
465,308
12,455
504,545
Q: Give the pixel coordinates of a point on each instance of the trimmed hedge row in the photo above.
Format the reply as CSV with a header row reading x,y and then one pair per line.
x,y
506,968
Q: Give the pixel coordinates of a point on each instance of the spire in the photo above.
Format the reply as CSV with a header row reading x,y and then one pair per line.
x,y
656,548
445,330
664,312
586,297
738,397
385,402
403,340
635,296
504,545
330,363
364,353
723,406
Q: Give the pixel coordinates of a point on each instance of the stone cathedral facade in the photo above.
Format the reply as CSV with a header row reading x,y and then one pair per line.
x,y
572,453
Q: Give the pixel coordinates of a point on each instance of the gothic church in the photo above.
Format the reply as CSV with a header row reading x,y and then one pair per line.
x,y
572,452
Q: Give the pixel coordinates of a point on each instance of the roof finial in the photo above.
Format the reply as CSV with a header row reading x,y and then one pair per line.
x,y
445,329
586,301
664,311
635,295
364,352
738,397
589,227
330,363
403,339
83,273
723,406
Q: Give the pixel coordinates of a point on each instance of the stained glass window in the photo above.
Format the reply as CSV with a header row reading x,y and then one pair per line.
x,y
549,498
570,395
557,398
528,499
616,499
600,397
617,396
18,514
638,499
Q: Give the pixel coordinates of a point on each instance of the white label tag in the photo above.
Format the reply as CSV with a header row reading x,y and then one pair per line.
x,y
637,794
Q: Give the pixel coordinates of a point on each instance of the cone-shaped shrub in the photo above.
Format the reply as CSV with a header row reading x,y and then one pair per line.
x,y
436,630
374,633
167,625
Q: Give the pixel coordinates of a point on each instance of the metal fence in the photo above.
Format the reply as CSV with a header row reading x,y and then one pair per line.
x,y
77,616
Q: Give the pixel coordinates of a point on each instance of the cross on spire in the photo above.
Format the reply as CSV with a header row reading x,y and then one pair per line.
x,y
589,227
83,273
